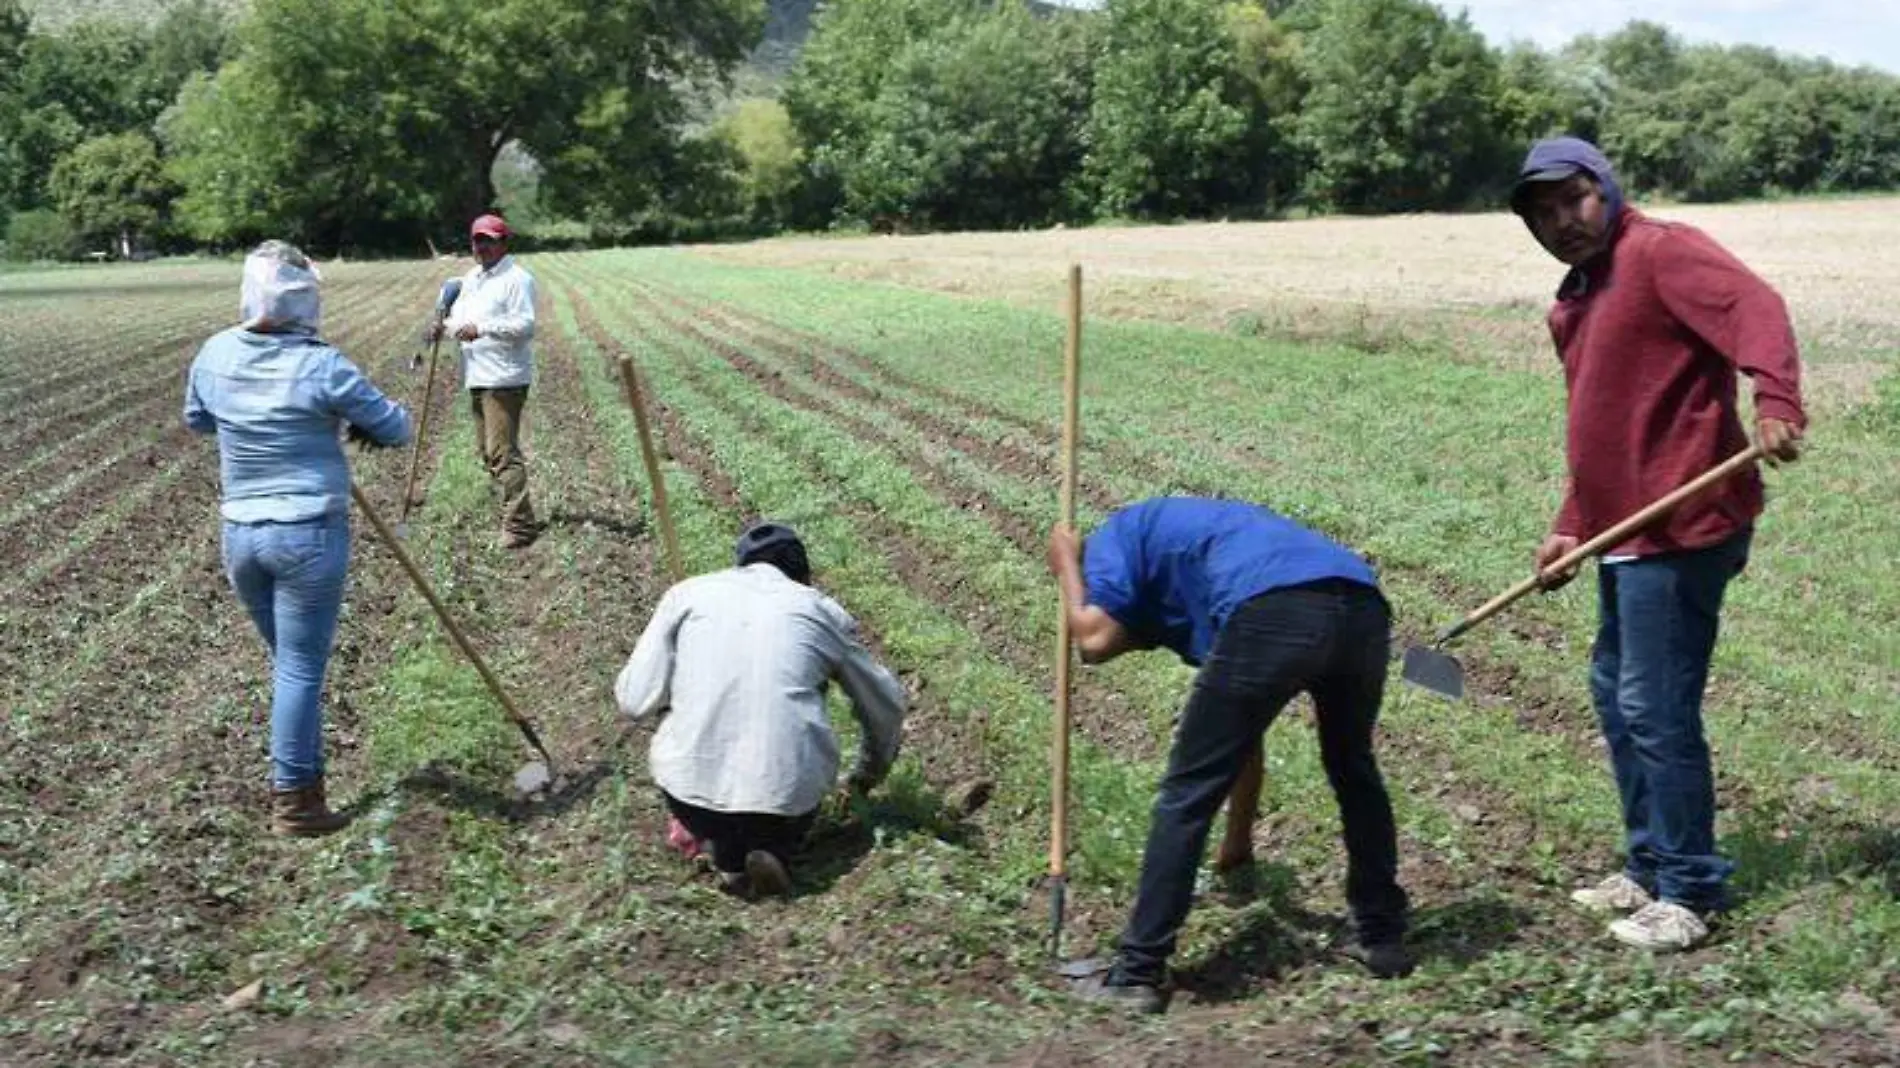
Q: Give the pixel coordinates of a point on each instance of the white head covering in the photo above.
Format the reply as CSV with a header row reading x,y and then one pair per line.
x,y
280,290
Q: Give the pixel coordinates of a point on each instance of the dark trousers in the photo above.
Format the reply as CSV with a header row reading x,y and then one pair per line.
x,y
1647,673
734,834
1331,640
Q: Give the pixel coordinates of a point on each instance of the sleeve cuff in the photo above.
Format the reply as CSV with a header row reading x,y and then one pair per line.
x,y
1779,408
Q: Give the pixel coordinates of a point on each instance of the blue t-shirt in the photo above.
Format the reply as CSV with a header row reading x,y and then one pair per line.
x,y
1173,569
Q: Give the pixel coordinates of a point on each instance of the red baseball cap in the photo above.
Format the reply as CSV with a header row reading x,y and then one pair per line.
x,y
489,226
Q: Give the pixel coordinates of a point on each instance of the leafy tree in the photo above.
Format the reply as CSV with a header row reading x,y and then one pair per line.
x,y
193,37
1271,86
1402,114
111,188
942,113
356,122
1862,112
90,80
14,27
69,87
1643,57
841,73
40,234
1171,123
234,171
769,158
1543,95
975,126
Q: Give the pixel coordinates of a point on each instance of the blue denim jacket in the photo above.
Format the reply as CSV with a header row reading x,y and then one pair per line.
x,y
275,402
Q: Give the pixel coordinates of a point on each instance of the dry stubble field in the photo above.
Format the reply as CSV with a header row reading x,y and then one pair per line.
x,y
1478,281
911,434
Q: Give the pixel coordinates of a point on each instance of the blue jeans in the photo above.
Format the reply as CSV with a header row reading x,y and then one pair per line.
x,y
290,577
1647,673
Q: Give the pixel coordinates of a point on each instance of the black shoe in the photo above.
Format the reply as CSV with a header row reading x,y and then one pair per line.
x,y
1098,982
1385,960
767,875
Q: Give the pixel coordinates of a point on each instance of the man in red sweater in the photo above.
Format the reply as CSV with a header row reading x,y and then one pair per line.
x,y
1652,322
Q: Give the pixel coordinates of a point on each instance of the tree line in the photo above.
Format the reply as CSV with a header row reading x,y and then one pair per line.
x,y
354,124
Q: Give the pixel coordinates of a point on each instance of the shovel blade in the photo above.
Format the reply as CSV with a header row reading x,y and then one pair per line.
x,y
533,778
1434,671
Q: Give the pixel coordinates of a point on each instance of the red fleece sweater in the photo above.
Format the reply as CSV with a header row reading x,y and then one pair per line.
x,y
1651,339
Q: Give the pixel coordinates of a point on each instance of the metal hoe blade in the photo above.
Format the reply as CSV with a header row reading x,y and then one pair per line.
x,y
1434,671
533,778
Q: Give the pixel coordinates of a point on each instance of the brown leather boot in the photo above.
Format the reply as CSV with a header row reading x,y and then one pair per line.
x,y
303,813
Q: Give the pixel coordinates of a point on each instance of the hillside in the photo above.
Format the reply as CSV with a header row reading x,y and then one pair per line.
x,y
786,26
54,14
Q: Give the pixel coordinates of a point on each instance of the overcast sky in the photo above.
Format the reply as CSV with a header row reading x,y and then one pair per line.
x,y
1847,31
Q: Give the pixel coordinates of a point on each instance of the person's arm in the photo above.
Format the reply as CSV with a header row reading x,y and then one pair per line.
x,y
1568,523
1098,636
645,684
877,700
358,402
515,321
1741,317
1565,535
198,418
461,317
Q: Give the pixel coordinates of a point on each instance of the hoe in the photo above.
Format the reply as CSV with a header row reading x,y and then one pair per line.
x,y
1059,747
1429,668
533,777
446,300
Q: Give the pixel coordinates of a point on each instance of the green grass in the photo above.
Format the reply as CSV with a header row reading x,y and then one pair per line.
x,y
450,923
1561,791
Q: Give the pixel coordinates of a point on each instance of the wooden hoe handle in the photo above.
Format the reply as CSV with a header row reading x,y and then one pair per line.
x,y
1608,539
448,623
630,381
422,431
1071,417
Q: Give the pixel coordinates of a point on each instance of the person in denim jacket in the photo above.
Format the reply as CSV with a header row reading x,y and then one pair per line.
x,y
275,395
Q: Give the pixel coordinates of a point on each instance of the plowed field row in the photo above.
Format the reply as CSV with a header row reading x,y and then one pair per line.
x,y
152,724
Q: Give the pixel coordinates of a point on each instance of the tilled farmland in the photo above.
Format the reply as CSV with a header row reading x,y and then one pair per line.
x,y
911,437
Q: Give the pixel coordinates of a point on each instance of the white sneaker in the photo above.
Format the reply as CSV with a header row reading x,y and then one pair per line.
x,y
1661,925
1618,893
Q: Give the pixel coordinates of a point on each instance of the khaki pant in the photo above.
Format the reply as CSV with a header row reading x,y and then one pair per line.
x,y
498,441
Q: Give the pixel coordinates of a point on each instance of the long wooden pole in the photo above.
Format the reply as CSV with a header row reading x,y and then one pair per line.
x,y
1059,743
630,381
422,432
1609,539
448,622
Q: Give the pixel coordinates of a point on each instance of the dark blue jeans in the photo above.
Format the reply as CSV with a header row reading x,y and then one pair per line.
x,y
1328,639
1647,673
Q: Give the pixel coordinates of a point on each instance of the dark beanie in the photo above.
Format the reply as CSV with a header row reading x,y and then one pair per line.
x,y
775,544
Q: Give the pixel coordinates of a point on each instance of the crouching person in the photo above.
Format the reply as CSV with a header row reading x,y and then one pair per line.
x,y
276,395
740,661
1267,610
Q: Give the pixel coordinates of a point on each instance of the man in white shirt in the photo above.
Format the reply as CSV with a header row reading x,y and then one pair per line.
x,y
745,754
493,318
